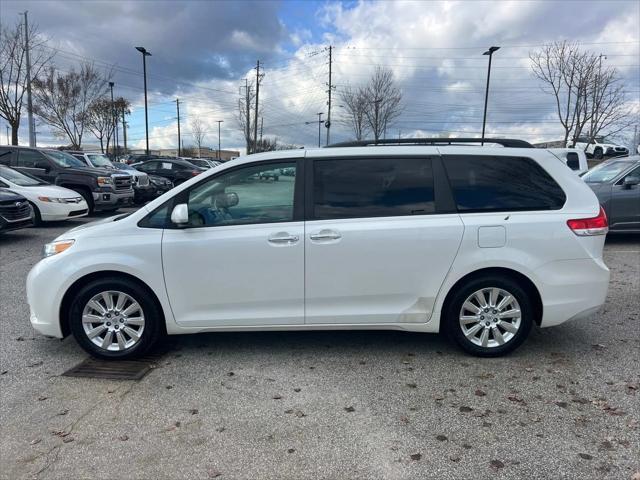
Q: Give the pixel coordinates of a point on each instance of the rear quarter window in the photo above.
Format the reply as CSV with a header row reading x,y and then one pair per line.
x,y
497,183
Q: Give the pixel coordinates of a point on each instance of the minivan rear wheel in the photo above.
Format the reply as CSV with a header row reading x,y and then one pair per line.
x,y
490,316
114,318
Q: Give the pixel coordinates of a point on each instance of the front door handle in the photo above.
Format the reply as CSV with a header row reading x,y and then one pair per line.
x,y
324,235
283,238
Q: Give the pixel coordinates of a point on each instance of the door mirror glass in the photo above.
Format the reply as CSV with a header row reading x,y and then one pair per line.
x,y
630,181
43,166
573,161
180,214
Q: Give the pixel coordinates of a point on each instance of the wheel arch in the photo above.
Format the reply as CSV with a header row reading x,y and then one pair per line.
x,y
522,279
67,299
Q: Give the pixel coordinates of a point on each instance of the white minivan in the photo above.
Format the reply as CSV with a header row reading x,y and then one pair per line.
x,y
419,235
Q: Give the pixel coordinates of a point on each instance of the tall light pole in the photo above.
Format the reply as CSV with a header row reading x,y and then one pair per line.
x,y
486,93
219,122
145,54
178,111
319,122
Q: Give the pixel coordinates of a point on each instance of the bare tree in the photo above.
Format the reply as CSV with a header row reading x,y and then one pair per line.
x,y
13,70
198,132
101,116
63,100
246,115
271,144
588,100
354,101
383,101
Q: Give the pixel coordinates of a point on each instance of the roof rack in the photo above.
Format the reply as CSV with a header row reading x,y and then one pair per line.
x,y
505,142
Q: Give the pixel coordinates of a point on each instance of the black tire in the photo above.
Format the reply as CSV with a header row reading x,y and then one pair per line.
x,y
597,154
452,323
37,217
88,197
153,329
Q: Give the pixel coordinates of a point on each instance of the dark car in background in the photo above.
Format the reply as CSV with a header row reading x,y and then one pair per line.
x,y
15,211
103,189
174,169
146,187
616,183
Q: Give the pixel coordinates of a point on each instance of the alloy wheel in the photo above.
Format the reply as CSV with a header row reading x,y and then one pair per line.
x,y
113,320
490,317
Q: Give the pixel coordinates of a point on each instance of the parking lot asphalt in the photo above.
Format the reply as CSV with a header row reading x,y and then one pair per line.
x,y
326,405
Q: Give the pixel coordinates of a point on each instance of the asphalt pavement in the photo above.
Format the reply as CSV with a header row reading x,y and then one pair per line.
x,y
326,405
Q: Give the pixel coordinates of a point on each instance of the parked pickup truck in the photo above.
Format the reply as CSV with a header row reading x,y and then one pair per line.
x,y
102,189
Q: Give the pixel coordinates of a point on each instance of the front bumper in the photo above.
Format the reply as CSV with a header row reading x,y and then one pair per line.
x,y
51,212
7,225
110,200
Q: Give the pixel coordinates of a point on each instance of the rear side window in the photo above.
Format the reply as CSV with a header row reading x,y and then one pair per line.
x,y
377,187
496,183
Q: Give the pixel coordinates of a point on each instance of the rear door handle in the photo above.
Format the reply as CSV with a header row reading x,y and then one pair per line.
x,y
324,235
283,238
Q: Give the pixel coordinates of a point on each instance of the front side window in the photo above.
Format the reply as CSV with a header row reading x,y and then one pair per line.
x,y
250,195
372,187
496,183
31,159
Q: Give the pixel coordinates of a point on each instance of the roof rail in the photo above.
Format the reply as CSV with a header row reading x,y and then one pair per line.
x,y
505,142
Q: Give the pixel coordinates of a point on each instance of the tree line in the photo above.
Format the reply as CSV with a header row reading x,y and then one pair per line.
x,y
72,103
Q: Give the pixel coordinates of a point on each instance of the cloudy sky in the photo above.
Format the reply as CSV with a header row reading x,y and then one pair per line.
x,y
202,51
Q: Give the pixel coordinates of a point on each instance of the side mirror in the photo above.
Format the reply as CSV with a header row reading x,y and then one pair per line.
x,y
630,181
573,161
43,166
180,214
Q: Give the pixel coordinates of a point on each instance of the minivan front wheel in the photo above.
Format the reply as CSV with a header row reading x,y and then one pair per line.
x,y
114,319
490,316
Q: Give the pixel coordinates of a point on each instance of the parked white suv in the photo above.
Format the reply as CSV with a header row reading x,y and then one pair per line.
x,y
598,148
480,241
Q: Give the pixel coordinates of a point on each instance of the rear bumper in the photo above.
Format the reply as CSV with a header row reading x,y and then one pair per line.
x,y
571,289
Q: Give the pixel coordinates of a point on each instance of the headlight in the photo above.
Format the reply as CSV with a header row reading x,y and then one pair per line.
x,y
53,199
54,248
104,181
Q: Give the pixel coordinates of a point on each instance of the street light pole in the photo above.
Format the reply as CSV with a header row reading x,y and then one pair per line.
x,y
319,126
486,93
219,122
145,54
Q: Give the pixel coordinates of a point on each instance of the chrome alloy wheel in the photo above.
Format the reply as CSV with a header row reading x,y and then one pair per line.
x,y
490,317
113,320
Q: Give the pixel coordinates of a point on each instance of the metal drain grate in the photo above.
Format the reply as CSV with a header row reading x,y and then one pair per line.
x,y
116,369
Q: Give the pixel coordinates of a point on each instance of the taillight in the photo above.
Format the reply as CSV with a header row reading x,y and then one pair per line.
x,y
195,172
590,226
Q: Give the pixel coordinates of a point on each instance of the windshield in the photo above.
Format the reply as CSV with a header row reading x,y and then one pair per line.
x,y
64,160
99,160
199,163
123,166
605,172
18,178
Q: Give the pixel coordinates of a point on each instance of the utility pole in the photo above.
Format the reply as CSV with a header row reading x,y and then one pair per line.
x,y
255,117
32,138
319,122
178,111
114,116
124,130
219,122
331,87
247,116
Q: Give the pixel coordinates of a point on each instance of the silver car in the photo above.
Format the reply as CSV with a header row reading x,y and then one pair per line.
x,y
616,182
